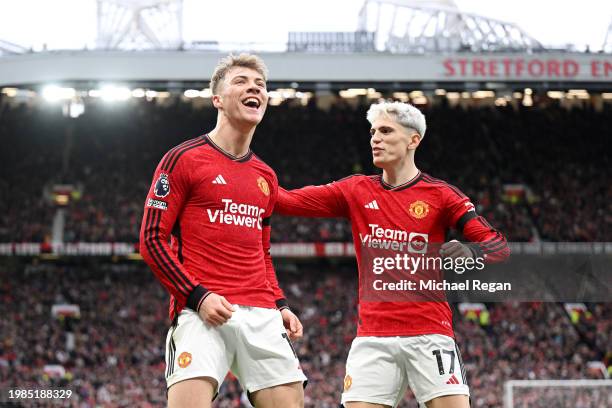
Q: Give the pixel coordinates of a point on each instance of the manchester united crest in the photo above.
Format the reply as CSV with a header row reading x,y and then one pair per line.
x,y
184,359
263,186
348,381
419,209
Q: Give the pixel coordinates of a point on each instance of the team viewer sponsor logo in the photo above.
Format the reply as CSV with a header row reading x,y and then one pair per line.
x,y
162,205
418,242
396,240
237,214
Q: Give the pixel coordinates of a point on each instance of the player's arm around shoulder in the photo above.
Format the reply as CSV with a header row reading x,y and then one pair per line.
x,y
326,200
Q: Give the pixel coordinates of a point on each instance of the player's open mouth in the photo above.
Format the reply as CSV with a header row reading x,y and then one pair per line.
x,y
252,102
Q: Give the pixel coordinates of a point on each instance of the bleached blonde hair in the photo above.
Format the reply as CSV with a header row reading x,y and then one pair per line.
x,y
242,60
403,113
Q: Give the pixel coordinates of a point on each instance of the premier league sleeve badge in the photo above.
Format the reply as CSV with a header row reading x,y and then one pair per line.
x,y
162,186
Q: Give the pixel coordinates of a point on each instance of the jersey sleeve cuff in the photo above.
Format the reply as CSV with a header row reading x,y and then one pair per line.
x,y
196,297
282,304
476,250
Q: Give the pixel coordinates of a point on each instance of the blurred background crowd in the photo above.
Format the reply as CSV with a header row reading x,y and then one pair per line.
x,y
537,174
534,173
116,358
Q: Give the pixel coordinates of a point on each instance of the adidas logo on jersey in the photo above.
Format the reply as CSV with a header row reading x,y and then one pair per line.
x,y
373,205
453,380
219,180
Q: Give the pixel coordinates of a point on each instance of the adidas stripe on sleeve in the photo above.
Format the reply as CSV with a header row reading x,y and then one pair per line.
x,y
166,196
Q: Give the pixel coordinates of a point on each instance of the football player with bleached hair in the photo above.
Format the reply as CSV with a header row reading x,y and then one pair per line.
x,y
409,343
404,114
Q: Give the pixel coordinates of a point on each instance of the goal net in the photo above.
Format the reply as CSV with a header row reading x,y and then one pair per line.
x,y
558,393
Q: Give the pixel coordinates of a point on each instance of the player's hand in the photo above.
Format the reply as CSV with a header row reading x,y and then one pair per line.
x,y
216,310
292,324
455,249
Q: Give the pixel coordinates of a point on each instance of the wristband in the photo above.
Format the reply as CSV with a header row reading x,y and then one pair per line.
x,y
196,297
282,304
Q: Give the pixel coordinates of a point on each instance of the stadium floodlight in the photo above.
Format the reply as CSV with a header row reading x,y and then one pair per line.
x,y
402,96
303,95
501,102
191,93
10,92
113,93
483,94
373,94
54,93
527,100
74,108
416,94
275,98
555,94
353,92
138,93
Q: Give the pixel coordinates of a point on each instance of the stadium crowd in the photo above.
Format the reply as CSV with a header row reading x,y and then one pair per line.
x,y
110,153
534,173
117,355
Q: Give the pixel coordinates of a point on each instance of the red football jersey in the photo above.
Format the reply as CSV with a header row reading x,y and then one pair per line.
x,y
425,208
215,210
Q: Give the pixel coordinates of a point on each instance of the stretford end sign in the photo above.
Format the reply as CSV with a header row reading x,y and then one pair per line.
x,y
527,68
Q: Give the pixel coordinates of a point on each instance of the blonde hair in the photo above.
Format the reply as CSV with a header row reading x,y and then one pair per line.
x,y
243,60
403,113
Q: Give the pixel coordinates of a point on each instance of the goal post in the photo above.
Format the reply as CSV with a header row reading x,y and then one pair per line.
x,y
557,393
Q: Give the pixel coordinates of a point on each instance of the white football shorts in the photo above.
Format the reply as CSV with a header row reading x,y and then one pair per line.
x,y
379,369
253,344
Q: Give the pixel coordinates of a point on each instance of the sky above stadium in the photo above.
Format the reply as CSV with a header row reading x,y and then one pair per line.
x,y
71,24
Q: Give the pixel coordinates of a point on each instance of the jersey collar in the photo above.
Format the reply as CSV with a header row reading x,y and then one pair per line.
x,y
230,156
403,186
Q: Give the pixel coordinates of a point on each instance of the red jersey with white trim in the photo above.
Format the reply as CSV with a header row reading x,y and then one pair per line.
x,y
214,209
423,208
